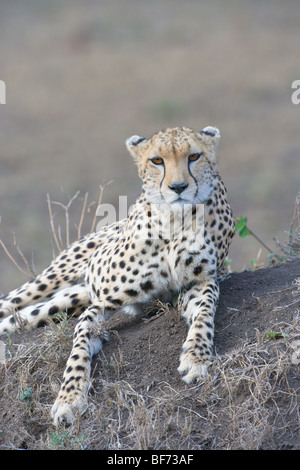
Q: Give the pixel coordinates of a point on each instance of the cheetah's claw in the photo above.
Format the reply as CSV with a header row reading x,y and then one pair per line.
x,y
66,413
191,371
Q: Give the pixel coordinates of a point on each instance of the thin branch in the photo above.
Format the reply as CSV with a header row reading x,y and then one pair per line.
x,y
52,224
14,261
66,209
26,262
60,236
82,215
102,188
56,232
295,215
264,245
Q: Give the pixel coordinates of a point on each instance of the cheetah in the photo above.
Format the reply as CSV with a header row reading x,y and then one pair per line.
x,y
152,252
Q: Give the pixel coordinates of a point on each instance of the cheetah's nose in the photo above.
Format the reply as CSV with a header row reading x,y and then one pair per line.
x,y
178,187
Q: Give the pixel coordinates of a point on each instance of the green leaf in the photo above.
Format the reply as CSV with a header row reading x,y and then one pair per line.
x,y
26,395
276,335
241,226
244,232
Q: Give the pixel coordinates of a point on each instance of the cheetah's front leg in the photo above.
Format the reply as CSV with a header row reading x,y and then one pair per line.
x,y
72,398
199,306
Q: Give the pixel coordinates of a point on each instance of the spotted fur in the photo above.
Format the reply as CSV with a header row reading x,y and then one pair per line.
x,y
151,253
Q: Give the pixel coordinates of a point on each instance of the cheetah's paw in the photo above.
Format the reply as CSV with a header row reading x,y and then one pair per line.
x,y
190,369
65,411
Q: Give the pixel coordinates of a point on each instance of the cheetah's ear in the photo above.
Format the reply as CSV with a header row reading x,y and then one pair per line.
x,y
210,135
133,145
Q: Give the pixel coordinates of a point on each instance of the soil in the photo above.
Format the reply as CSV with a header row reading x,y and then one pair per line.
x,y
247,303
136,374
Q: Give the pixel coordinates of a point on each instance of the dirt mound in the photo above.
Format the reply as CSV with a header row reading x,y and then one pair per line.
x,y
249,401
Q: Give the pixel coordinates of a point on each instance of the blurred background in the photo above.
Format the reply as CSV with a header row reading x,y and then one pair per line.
x,y
82,76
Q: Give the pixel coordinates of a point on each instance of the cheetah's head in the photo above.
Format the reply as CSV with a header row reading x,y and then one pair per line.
x,y
177,166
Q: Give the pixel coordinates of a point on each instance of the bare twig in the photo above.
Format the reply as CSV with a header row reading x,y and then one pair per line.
x,y
291,248
26,262
102,188
52,224
66,209
295,215
264,245
14,261
56,231
82,215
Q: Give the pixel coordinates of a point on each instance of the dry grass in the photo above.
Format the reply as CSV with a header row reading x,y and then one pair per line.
x,y
291,248
248,402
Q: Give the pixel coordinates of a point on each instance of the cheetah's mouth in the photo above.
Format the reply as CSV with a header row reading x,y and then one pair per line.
x,y
182,200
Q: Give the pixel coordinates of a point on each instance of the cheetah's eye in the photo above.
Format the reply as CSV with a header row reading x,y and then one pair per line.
x,y
194,157
157,161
